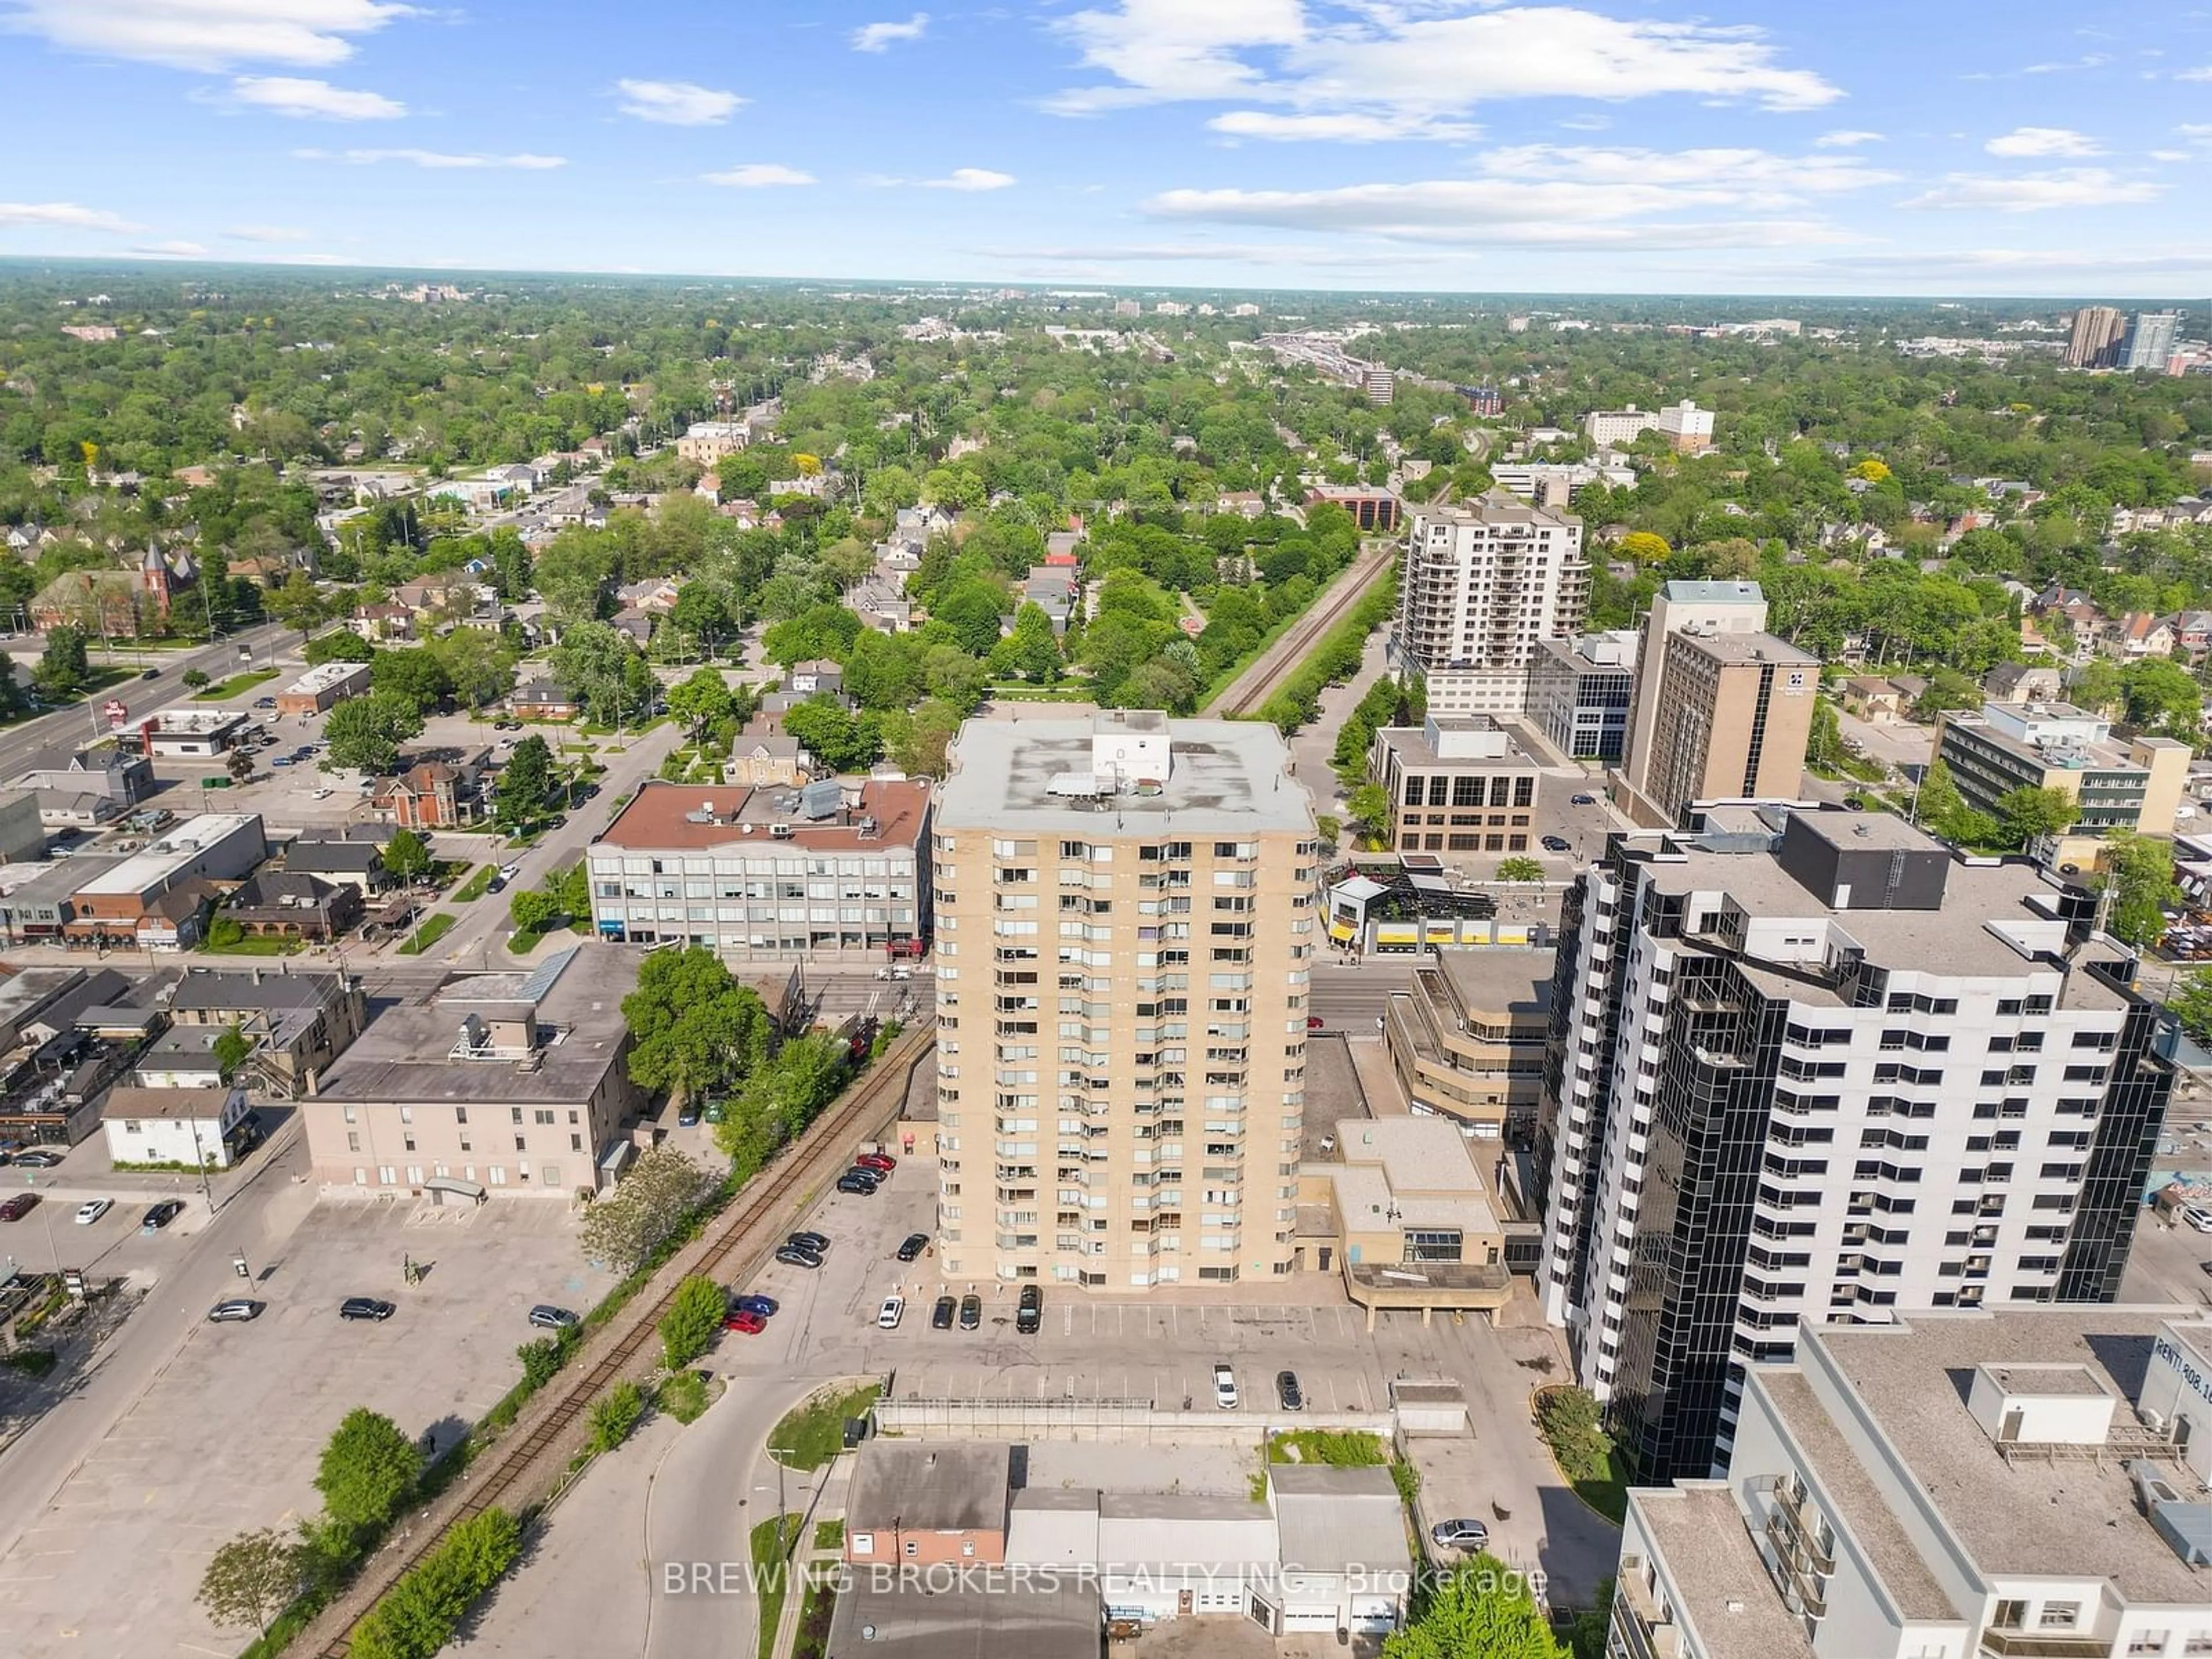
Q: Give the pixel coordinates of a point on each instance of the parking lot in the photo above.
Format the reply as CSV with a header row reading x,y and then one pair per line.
x,y
226,1437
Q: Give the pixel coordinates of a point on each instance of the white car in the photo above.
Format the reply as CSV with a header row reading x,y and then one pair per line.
x,y
91,1209
324,793
893,1310
1224,1388
2198,1217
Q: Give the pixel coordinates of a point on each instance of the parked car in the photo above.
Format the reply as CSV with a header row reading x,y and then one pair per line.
x,y
1029,1313
281,760
888,1316
881,1162
688,1117
791,1256
1315,1022
940,1316
1458,1535
366,1307
92,1209
2196,1215
857,1181
765,1306
161,1215
264,703
971,1312
20,1205
745,1324
1556,844
915,1245
817,1243
236,1311
1584,800
38,1157
1224,1388
1288,1395
547,1317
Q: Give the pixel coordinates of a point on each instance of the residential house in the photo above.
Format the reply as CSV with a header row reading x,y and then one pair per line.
x,y
433,794
2138,636
1060,547
882,605
378,624
197,1128
293,904
932,1503
1245,503
634,621
1875,699
656,594
807,678
2192,633
353,854
299,1022
2013,682
768,761
542,699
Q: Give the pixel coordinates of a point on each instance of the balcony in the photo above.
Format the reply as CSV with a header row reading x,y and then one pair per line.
x,y
2045,1645
1643,1629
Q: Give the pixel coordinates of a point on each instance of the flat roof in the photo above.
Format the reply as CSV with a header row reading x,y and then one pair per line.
x,y
1733,647
1412,742
1691,592
1333,1520
2025,1517
197,722
1223,777
323,676
931,1486
178,846
696,818
1722,1590
1501,980
1052,1616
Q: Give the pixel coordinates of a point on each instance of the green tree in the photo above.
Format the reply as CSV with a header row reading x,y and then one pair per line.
x,y
407,855
2162,698
2025,813
1483,1611
367,1472
2138,872
2191,1001
615,1414
195,679
622,1228
253,1578
541,1360
416,675
1824,740
1370,807
1939,802
694,1316
298,604
696,1030
533,911
64,669
1031,651
231,1050
701,700
1521,869
524,786
842,740
365,733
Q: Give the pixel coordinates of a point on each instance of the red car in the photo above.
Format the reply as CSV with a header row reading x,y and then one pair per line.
x,y
745,1323
1315,1022
881,1162
19,1206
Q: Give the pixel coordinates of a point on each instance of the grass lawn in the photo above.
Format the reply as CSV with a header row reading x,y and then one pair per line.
x,y
524,940
1584,1454
771,1540
256,947
829,1535
440,924
235,684
815,1433
474,887
1336,1449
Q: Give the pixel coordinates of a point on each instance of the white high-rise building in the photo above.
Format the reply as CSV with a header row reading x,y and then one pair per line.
x,y
2026,1482
1484,583
1823,1074
2150,342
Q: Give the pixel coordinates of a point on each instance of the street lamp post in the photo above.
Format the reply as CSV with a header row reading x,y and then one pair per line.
x,y
779,1453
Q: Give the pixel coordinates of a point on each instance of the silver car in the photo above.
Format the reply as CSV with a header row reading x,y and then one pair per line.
x,y
1458,1535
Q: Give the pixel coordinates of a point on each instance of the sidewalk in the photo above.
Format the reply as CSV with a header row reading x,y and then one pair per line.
x,y
810,1563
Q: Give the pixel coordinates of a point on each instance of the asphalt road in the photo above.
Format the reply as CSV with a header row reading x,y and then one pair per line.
x,y
80,721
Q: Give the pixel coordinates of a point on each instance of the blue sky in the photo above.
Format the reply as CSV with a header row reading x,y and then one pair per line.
x,y
1736,146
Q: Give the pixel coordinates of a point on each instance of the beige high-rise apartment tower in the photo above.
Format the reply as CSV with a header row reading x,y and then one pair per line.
x,y
1126,927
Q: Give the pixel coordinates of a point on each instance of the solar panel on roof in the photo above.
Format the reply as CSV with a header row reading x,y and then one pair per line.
x,y
540,981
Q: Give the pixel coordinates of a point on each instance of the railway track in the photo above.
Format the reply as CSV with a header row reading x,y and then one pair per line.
x,y
733,1240
1289,651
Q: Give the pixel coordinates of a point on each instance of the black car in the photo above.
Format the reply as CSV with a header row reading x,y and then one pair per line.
x,y
1029,1314
817,1243
1556,844
857,1181
366,1307
161,1215
791,1256
1583,800
940,1316
971,1312
688,1117
915,1245
1288,1395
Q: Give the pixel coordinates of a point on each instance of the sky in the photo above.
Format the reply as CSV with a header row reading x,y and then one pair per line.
x,y
1950,147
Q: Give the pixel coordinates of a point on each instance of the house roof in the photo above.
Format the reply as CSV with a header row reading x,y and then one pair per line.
x,y
1335,1520
130,1101
350,857
931,1487
542,692
270,889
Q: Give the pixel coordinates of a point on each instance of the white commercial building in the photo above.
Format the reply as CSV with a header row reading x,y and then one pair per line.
x,y
1948,1487
1686,426
1485,582
1823,1074
196,1127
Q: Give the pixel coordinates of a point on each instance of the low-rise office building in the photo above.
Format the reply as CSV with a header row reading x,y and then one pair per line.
x,y
39,909
1467,1040
323,687
509,1082
191,733
1580,690
154,897
1398,1207
79,788
2135,784
762,873
1457,783
2027,1482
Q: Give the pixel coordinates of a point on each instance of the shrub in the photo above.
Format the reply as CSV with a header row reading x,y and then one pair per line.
x,y
615,1415
695,1314
421,1613
684,1396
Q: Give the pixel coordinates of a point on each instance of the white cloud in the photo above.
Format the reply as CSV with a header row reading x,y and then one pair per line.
x,y
266,234
968,178
677,103
170,251
2036,192
1752,177
288,94
1342,127
2174,155
431,158
1164,51
206,34
2196,130
2044,141
2203,74
880,37
66,216
1849,138
758,175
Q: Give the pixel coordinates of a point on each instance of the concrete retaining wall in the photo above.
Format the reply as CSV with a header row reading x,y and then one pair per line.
x,y
1136,1420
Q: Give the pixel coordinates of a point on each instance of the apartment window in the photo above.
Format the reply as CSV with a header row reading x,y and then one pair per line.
x,y
575,1143
460,1114
2148,1641
521,1144
353,1140
518,1113
545,1118
406,1114
2058,1615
